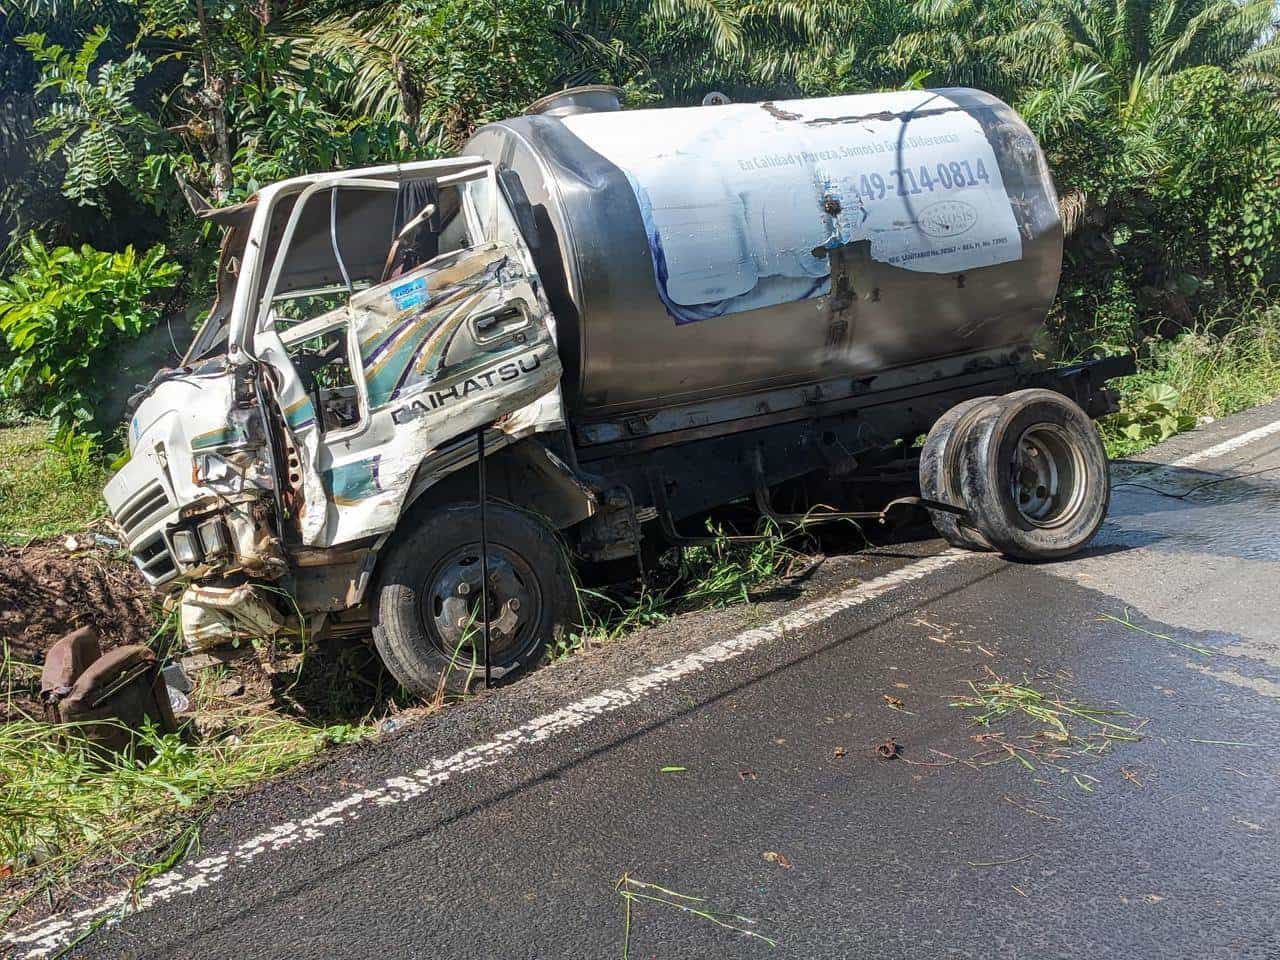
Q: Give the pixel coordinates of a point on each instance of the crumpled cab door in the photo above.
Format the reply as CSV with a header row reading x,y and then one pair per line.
x,y
442,331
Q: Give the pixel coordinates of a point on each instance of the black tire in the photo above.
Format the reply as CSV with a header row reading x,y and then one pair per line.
x,y
1034,475
422,616
939,475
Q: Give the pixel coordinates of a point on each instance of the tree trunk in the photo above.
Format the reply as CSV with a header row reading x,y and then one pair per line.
x,y
221,178
214,101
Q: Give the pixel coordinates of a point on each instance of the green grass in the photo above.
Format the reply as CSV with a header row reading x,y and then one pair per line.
x,y
711,576
1223,367
632,891
998,699
45,492
62,804
1041,729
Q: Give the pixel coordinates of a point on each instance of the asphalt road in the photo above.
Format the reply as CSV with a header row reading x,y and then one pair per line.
x,y
500,829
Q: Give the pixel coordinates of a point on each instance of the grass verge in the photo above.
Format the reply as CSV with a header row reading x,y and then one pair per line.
x,y
62,804
46,490
1223,367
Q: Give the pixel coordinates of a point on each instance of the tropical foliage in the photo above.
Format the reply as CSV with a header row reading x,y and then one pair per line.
x,y
1159,117
63,313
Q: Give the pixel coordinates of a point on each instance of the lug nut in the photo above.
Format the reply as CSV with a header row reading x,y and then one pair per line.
x,y
514,604
464,588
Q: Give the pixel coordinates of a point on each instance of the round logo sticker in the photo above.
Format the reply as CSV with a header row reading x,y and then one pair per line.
x,y
947,218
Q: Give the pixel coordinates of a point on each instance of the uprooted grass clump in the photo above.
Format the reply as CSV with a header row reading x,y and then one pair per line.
x,y
1041,729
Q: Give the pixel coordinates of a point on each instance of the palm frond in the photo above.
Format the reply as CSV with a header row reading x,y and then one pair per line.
x,y
1052,110
721,18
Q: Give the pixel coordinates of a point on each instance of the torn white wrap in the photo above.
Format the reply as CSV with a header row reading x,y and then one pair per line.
x,y
741,203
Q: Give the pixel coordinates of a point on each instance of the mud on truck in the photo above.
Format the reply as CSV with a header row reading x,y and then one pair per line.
x,y
635,316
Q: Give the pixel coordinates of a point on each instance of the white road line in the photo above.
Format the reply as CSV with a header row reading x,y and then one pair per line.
x,y
1226,446
42,938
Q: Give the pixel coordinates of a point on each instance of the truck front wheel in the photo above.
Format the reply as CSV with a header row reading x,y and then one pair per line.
x,y
427,623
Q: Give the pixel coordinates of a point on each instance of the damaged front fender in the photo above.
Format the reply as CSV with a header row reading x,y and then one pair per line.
x,y
213,616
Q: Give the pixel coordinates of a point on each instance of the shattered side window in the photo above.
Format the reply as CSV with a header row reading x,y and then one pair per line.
x,y
430,221
323,364
351,238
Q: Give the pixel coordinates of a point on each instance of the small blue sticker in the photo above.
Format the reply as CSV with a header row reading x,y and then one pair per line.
x,y
410,294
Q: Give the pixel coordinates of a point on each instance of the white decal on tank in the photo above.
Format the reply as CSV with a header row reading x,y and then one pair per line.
x,y
742,203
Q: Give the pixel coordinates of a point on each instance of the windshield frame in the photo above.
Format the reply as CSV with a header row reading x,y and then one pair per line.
x,y
239,322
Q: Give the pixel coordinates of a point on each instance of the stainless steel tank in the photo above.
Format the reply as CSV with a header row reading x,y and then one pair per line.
x,y
707,252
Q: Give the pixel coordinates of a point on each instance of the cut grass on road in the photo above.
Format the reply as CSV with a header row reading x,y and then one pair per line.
x,y
1056,732
44,492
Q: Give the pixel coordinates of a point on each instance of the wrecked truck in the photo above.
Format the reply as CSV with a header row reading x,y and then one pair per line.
x,y
618,320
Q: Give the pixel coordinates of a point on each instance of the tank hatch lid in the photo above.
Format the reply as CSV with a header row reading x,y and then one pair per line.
x,y
594,98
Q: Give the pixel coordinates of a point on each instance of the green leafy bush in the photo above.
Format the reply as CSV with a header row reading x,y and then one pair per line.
x,y
91,120
78,454
1152,416
63,314
1214,370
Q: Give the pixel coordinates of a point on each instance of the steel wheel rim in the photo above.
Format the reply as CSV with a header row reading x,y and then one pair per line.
x,y
1046,480
451,605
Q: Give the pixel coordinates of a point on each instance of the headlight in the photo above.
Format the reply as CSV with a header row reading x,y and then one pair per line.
x,y
213,537
184,547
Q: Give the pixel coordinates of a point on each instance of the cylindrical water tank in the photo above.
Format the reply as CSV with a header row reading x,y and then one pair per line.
x,y
706,252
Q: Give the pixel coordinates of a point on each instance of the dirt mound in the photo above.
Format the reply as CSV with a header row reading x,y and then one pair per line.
x,y
47,590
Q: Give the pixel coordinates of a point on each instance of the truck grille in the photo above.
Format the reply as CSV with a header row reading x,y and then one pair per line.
x,y
142,509
151,555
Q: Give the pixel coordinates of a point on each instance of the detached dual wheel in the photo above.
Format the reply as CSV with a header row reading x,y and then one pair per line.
x,y
427,619
1029,470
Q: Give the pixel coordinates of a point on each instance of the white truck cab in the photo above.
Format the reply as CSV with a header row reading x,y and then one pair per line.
x,y
367,323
